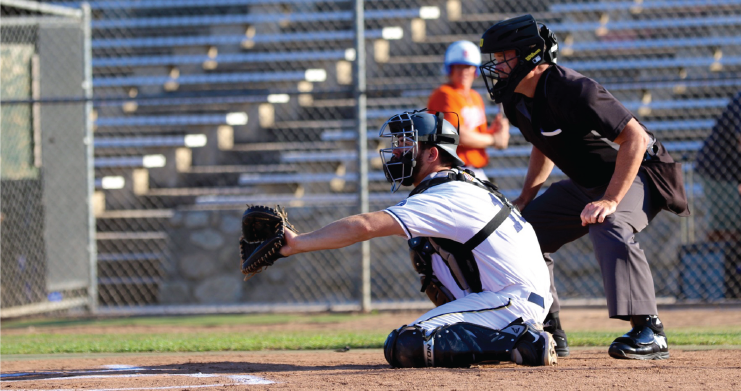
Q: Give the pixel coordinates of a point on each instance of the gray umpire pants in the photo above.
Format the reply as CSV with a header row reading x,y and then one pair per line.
x,y
629,287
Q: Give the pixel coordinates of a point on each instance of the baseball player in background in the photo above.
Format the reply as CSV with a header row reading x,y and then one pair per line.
x,y
479,260
619,175
462,60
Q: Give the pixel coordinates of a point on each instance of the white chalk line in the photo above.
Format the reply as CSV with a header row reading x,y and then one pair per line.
x,y
137,388
240,379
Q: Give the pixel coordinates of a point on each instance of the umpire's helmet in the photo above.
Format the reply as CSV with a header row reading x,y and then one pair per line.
x,y
406,131
533,45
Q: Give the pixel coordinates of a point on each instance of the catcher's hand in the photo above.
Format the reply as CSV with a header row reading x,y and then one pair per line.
x,y
263,235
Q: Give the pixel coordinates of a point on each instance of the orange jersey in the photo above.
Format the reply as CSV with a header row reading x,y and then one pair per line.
x,y
470,109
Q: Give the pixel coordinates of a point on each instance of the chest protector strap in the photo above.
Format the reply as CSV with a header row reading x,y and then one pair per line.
x,y
458,256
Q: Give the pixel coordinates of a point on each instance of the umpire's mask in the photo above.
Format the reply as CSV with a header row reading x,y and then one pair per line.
x,y
406,131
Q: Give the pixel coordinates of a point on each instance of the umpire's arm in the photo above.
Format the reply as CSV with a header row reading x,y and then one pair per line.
x,y
342,233
633,141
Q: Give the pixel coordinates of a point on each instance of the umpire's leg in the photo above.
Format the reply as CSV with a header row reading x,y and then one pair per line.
x,y
554,216
629,286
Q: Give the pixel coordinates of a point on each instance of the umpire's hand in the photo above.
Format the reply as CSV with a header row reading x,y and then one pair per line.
x,y
595,212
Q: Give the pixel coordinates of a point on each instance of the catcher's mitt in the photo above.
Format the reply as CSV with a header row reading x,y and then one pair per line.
x,y
263,235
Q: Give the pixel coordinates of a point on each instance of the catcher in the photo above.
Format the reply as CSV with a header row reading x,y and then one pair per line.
x,y
478,259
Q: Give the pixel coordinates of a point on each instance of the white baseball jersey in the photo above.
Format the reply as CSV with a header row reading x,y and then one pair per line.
x,y
510,260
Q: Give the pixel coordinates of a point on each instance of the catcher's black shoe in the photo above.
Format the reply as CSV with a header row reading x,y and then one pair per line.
x,y
646,341
553,325
535,348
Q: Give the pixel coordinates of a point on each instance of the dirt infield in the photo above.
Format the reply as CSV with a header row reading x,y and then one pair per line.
x,y
366,369
588,368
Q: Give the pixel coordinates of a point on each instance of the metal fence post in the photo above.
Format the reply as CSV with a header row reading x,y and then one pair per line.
x,y
90,153
361,123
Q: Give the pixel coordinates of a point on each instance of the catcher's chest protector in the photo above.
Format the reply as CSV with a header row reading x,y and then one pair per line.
x,y
457,256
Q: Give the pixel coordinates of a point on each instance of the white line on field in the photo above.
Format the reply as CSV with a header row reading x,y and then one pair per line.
x,y
239,379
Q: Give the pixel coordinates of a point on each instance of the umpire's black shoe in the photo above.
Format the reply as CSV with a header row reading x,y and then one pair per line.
x,y
552,325
646,341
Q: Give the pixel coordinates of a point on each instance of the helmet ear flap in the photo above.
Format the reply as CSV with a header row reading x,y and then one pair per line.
x,y
551,44
440,118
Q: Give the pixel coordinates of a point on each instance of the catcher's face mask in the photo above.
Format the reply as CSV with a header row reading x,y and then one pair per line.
x,y
399,160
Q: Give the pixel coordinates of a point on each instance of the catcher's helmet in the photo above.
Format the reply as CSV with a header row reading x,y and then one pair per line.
x,y
462,52
533,45
406,131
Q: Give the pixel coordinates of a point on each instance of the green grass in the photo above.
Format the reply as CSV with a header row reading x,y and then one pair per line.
x,y
729,336
184,342
186,321
42,341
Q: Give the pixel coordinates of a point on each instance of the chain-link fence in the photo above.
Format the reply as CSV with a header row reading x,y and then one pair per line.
x,y
204,106
47,225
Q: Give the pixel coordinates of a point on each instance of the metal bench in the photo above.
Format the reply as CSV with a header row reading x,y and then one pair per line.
x,y
315,75
148,161
326,55
166,120
188,140
652,63
643,44
171,4
208,40
257,18
603,6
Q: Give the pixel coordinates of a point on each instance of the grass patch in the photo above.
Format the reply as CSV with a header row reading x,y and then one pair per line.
x,y
185,342
186,321
193,335
675,337
202,341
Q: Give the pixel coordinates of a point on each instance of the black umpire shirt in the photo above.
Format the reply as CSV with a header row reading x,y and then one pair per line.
x,y
573,120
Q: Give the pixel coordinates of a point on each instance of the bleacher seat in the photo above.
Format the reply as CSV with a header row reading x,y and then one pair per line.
x,y
174,4
173,120
331,55
188,140
206,79
130,161
636,7
208,40
252,19
644,44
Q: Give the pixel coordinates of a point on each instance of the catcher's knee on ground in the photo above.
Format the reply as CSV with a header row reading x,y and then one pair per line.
x,y
463,344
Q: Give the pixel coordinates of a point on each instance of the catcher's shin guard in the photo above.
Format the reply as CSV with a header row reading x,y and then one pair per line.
x,y
463,344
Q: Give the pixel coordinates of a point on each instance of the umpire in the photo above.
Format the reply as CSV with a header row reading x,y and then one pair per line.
x,y
619,175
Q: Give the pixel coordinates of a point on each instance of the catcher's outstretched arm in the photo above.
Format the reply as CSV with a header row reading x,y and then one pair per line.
x,y
343,233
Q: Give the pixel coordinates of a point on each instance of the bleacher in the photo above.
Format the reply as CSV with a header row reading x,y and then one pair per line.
x,y
215,104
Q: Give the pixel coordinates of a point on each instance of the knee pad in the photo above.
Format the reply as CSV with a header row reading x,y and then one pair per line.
x,y
406,347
